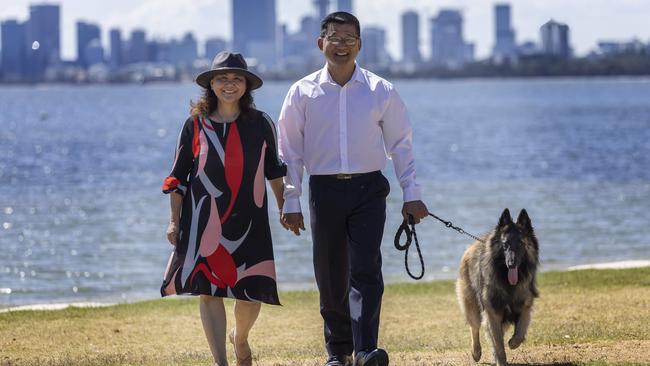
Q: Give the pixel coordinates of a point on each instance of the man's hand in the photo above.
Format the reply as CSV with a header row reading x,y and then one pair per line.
x,y
294,222
417,209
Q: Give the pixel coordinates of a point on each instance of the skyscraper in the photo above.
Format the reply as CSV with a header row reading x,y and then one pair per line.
x,y
310,27
117,57
344,5
86,34
373,53
43,35
411,37
254,30
299,51
13,50
183,52
214,46
448,47
505,47
93,53
138,50
323,8
555,39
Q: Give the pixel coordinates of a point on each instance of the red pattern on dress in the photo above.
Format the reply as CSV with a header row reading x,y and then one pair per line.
x,y
196,144
234,166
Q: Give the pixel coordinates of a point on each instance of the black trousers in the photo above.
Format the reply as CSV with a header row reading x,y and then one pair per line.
x,y
347,225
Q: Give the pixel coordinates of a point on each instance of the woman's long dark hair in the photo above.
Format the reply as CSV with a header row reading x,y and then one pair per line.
x,y
208,103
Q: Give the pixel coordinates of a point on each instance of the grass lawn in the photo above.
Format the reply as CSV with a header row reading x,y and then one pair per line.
x,y
595,317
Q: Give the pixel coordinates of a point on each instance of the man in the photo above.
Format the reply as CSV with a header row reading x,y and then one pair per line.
x,y
338,123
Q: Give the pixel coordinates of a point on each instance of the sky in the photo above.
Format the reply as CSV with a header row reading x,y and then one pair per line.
x,y
590,20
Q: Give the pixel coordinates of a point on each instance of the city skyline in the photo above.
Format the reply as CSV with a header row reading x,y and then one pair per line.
x,y
584,17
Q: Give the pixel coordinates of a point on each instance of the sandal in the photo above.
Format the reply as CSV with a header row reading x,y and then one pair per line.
x,y
241,361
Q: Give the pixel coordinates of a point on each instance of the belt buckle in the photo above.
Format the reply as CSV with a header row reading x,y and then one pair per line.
x,y
344,176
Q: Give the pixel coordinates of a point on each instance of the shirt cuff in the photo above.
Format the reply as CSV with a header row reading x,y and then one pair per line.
x,y
412,194
291,205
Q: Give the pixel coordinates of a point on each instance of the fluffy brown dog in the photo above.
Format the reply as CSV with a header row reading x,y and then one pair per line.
x,y
497,277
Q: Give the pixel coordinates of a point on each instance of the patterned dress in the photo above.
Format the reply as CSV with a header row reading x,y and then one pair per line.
x,y
224,247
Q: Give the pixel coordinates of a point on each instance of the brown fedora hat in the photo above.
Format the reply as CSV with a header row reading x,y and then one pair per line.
x,y
225,62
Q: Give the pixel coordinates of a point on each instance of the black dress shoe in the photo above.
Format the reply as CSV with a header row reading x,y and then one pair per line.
x,y
339,360
376,357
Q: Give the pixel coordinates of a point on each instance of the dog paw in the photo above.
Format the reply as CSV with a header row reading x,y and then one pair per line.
x,y
515,342
476,353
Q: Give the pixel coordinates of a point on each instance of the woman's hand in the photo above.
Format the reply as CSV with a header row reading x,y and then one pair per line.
x,y
278,190
293,222
172,233
282,222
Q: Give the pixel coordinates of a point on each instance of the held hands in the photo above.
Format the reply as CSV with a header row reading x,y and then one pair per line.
x,y
293,221
417,209
172,233
282,222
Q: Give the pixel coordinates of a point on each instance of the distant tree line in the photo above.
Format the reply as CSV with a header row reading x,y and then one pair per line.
x,y
540,66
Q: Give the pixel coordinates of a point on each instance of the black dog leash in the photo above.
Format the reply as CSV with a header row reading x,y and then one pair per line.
x,y
450,225
411,235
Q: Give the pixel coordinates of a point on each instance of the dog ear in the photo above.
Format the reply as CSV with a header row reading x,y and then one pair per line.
x,y
524,221
505,218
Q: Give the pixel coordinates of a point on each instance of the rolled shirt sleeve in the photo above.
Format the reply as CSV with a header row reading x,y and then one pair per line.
x,y
398,141
291,141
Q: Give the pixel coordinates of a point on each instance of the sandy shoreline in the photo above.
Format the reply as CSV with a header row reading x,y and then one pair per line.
x,y
59,306
613,265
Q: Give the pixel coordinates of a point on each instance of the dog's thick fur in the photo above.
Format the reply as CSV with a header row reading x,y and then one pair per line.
x,y
498,278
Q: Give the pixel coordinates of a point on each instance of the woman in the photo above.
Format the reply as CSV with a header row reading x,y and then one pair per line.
x,y
219,221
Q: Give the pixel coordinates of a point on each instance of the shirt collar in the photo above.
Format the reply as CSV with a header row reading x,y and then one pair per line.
x,y
325,76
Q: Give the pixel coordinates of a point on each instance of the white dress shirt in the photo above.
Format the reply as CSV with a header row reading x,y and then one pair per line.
x,y
326,128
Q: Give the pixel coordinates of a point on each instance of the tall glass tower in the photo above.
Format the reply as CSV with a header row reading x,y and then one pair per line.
x,y
505,47
254,30
344,5
411,37
117,49
43,39
13,50
86,33
447,45
555,39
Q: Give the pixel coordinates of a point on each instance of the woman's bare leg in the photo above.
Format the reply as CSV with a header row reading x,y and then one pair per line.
x,y
213,317
246,313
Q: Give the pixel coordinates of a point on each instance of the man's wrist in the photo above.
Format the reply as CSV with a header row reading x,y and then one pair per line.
x,y
411,194
291,205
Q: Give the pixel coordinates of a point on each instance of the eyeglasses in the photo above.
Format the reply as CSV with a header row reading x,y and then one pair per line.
x,y
348,41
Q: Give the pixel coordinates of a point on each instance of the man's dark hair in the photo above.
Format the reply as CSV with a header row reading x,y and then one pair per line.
x,y
339,17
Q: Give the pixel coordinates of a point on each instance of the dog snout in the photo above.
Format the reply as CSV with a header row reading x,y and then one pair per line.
x,y
511,259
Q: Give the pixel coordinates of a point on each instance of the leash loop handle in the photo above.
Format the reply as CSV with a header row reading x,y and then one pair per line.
x,y
403,229
410,236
